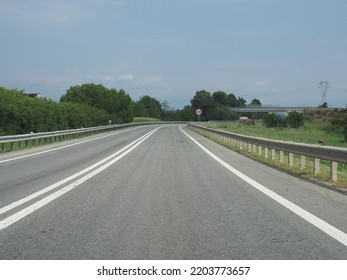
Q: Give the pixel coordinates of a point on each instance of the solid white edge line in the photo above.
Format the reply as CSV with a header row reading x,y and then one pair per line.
x,y
37,205
64,147
312,219
19,202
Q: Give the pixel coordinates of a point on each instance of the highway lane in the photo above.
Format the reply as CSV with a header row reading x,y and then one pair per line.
x,y
28,171
165,199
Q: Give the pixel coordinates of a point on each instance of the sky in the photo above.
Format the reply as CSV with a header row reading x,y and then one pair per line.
x,y
274,50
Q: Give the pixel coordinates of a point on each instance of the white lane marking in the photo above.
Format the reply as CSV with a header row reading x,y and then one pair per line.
x,y
37,205
312,219
57,184
64,147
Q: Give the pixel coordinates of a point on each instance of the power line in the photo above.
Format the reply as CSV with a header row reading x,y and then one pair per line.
x,y
339,89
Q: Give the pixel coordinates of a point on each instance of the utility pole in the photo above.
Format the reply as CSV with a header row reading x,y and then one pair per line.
x,y
324,85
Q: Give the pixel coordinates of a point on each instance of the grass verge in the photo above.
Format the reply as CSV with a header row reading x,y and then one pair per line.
x,y
322,177
310,133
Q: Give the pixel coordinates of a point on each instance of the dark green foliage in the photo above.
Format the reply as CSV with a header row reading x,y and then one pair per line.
x,y
216,106
93,105
293,119
202,100
234,102
187,114
116,103
242,101
338,125
221,98
282,121
271,120
255,102
220,112
152,106
20,114
139,110
324,105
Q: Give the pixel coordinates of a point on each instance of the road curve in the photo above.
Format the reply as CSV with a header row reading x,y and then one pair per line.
x,y
161,192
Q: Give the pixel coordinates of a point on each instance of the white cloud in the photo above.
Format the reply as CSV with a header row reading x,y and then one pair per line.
x,y
261,84
127,77
146,81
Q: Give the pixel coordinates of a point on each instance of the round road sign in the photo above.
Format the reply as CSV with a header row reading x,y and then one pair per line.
x,y
198,112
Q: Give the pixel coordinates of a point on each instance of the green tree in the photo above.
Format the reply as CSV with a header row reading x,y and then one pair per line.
x,y
324,105
140,110
255,102
221,98
165,106
152,106
20,114
89,94
221,112
187,114
271,120
117,103
203,100
233,101
242,101
295,119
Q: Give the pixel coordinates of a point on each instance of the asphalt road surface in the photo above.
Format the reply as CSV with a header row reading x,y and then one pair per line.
x,y
161,192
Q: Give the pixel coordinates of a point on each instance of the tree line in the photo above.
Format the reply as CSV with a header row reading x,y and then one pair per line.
x,y
21,114
92,104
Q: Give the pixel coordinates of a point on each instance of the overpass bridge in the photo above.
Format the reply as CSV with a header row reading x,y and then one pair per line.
x,y
259,109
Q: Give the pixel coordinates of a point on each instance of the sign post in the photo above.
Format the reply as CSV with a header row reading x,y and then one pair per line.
x,y
199,113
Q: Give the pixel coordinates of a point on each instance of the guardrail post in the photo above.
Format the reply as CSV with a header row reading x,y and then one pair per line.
x,y
273,154
259,150
281,156
333,171
302,162
266,153
316,166
290,159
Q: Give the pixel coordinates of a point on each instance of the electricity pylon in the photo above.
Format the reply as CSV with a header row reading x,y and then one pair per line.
x,y
324,85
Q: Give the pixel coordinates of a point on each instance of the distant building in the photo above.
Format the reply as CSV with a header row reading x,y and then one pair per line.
x,y
33,95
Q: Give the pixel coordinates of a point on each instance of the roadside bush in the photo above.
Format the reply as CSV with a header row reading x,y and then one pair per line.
x,y
338,125
282,121
295,119
271,120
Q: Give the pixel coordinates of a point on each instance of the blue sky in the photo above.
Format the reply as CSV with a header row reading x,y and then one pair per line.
x,y
273,50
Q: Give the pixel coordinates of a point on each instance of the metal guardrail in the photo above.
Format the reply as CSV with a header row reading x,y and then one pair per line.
x,y
333,154
7,143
